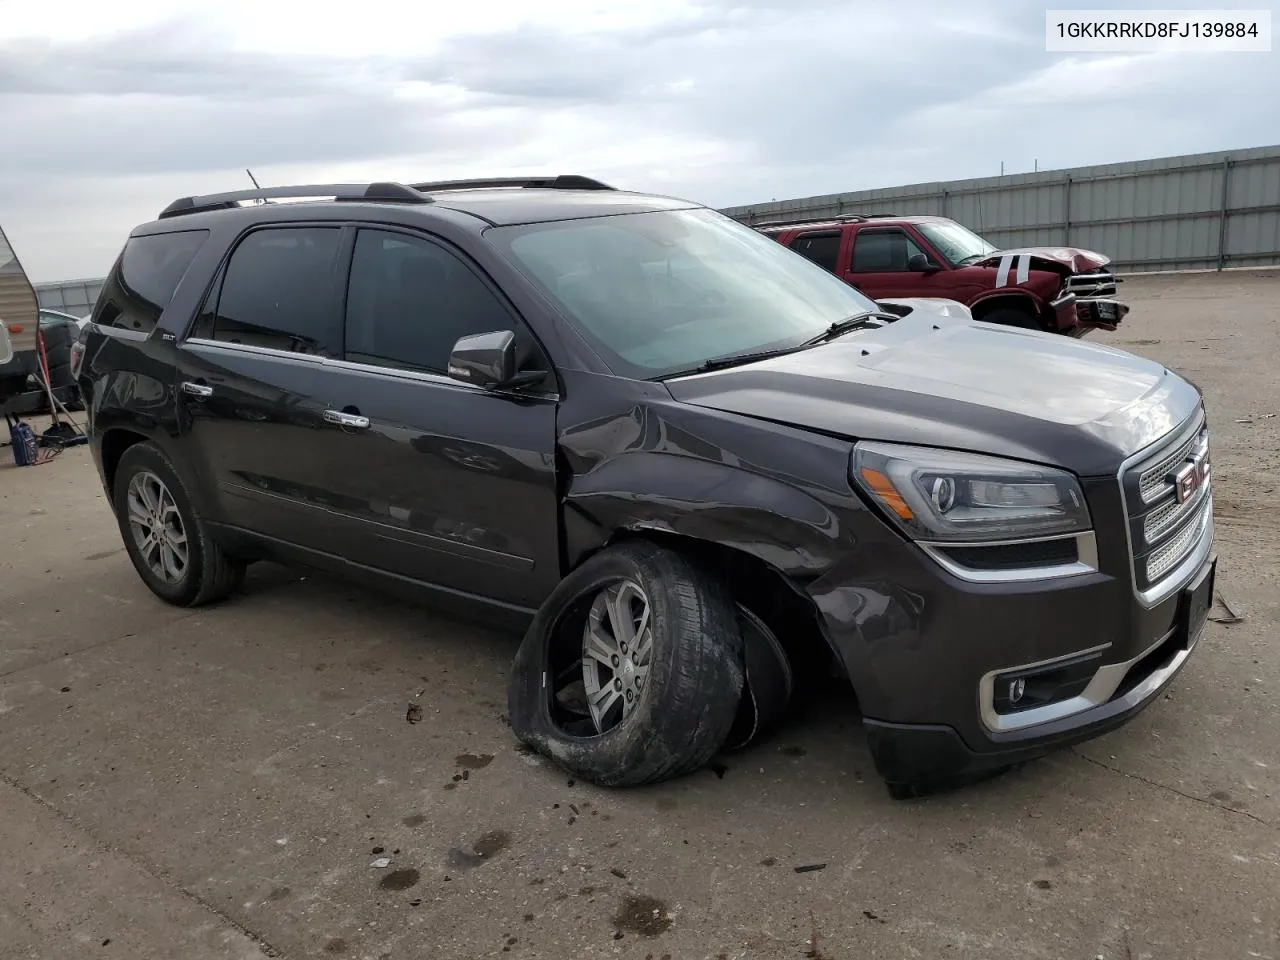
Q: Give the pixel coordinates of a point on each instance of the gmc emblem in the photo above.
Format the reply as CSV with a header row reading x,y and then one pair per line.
x,y
1191,476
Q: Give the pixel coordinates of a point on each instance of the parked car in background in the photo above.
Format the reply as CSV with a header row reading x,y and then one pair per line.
x,y
684,458
1057,289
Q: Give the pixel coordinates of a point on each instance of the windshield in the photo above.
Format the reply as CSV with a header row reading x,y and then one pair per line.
x,y
958,244
663,292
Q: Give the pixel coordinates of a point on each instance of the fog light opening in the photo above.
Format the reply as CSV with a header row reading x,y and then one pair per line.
x,y
1033,687
1016,689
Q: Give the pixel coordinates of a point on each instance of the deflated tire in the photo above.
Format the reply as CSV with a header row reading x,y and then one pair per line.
x,y
632,671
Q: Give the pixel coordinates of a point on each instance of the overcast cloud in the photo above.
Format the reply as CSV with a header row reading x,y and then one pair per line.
x,y
108,114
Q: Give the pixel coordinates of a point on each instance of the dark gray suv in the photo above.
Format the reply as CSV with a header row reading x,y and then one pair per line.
x,y
686,459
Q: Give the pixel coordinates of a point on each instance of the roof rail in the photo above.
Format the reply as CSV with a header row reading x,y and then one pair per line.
x,y
385,192
798,221
565,181
834,218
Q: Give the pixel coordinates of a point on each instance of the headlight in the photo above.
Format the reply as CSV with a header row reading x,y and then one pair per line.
x,y
946,496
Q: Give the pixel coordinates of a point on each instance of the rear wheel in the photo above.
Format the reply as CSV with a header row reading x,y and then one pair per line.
x,y
631,672
168,542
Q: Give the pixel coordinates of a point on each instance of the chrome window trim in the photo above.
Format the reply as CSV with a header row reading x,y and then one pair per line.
x,y
1100,689
397,373
1086,562
253,350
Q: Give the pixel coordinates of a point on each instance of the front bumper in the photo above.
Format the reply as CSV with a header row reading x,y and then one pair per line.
x,y
1088,313
924,753
958,671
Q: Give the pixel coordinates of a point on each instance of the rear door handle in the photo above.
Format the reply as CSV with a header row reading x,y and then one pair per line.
x,y
197,389
344,419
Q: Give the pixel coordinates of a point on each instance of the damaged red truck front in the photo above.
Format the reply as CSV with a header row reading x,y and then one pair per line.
x,y
1056,289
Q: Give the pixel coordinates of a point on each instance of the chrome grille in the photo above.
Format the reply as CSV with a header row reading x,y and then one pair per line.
x,y
1154,479
1170,512
1099,284
1164,532
1167,556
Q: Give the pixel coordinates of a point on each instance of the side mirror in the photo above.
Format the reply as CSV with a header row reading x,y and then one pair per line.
x,y
919,263
488,360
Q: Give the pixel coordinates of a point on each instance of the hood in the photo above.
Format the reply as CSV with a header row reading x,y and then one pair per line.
x,y
986,388
935,306
1071,258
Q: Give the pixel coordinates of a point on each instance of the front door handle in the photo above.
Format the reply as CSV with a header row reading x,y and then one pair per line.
x,y
197,389
344,419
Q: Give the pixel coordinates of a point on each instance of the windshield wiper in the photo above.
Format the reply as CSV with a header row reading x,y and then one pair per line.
x,y
856,322
737,359
859,321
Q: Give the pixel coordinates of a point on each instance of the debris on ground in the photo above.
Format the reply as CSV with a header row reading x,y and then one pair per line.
x,y
381,863
414,713
811,867
1234,615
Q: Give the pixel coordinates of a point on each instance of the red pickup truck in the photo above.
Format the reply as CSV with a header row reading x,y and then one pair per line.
x,y
1055,289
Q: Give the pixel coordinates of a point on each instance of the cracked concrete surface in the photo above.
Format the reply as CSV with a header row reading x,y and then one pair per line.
x,y
219,783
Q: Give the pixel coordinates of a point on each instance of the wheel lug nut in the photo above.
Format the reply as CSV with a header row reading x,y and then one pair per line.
x,y
617,684
630,696
615,660
624,648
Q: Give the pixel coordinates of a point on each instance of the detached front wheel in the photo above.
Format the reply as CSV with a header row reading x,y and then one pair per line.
x,y
632,671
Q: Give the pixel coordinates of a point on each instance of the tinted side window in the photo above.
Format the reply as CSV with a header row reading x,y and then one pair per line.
x,y
821,248
882,251
277,291
410,300
145,278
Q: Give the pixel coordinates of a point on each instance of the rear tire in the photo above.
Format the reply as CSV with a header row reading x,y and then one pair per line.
x,y
168,542
690,668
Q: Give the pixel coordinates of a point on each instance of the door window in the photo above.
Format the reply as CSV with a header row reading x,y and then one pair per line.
x,y
822,248
883,251
409,301
278,292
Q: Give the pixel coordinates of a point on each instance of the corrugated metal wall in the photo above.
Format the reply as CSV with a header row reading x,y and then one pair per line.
x,y
1203,211
75,297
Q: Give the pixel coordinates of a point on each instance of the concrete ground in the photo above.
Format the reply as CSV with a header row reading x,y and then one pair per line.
x,y
220,783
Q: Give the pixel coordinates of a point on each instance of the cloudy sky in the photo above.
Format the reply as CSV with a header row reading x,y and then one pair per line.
x,y
109,111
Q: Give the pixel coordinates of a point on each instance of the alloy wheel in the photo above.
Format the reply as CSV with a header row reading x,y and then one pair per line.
x,y
617,652
157,527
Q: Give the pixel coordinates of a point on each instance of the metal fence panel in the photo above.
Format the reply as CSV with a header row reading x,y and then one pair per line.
x,y
1199,211
75,297
1170,213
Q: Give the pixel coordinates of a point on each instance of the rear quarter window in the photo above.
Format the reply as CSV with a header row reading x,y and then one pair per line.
x,y
145,277
822,248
